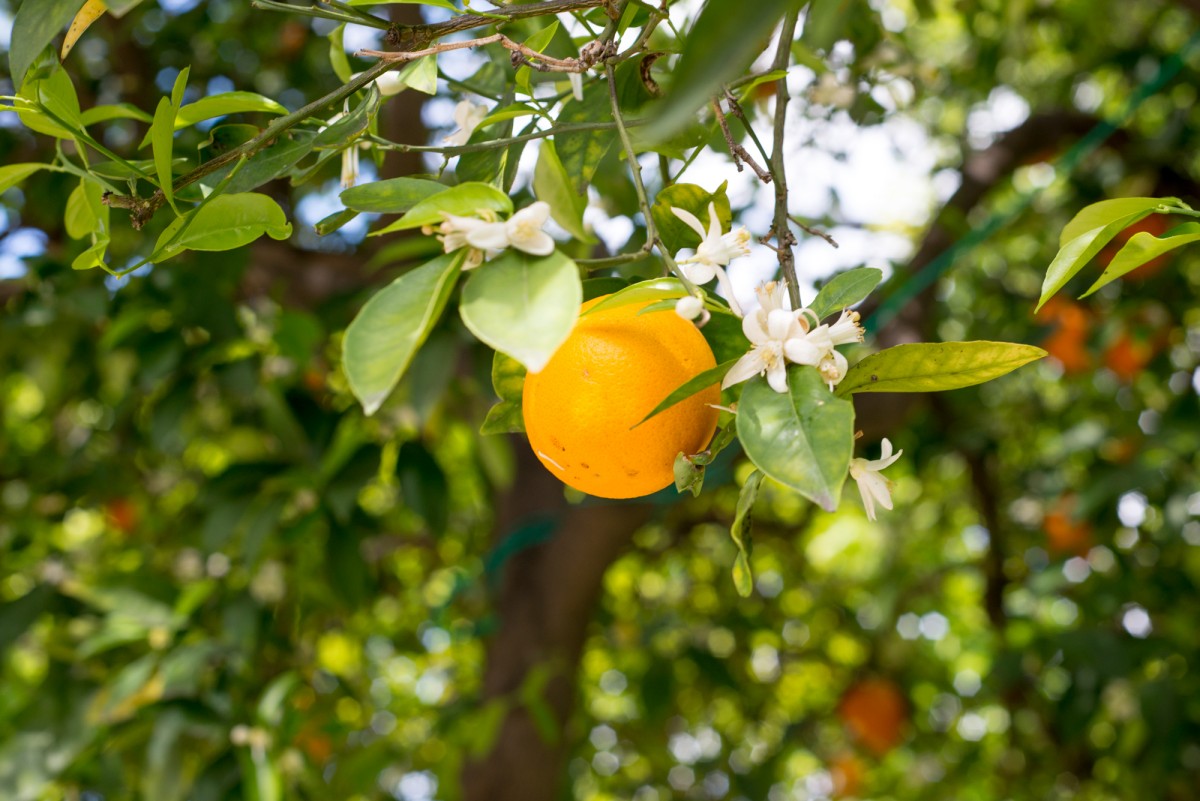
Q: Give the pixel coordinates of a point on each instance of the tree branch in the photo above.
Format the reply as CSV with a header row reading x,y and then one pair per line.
x,y
781,230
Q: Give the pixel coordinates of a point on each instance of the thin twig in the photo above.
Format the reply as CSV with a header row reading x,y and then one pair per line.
x,y
588,57
817,232
636,168
495,144
739,153
784,239
142,209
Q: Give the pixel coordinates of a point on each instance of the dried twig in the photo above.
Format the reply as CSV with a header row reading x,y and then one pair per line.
x,y
522,55
739,153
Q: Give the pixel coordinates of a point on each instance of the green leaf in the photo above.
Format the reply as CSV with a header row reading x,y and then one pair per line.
x,y
828,21
642,291
225,103
674,232
1098,215
722,43
803,438
119,111
92,257
463,200
743,579
337,55
581,153
36,24
383,338
538,41
225,223
80,218
508,380
161,134
57,94
180,87
1072,257
844,290
1143,247
13,174
420,75
690,467
393,196
327,225
552,184
690,387
936,366
511,112
524,306
278,158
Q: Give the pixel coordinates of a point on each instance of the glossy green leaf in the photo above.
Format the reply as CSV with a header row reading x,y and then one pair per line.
x,y
93,257
1073,256
828,21
697,383
722,43
180,87
80,218
936,366
420,75
552,184
225,103
327,225
1143,247
118,111
35,25
582,152
161,135
651,290
743,578
1098,215
351,126
803,438
276,160
225,223
674,232
506,113
537,41
380,343
393,196
463,200
337,55
57,93
690,468
508,381
524,306
845,289
13,174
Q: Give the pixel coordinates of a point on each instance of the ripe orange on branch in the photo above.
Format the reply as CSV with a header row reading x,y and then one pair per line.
x,y
582,411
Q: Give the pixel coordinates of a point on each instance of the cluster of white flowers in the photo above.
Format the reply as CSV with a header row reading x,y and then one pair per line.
x,y
712,256
779,336
486,235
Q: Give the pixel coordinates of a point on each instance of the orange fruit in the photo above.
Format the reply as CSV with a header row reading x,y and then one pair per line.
x,y
582,410
1064,534
874,710
1128,356
123,514
1067,341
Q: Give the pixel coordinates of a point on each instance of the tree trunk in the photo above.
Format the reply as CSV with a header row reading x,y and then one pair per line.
x,y
545,602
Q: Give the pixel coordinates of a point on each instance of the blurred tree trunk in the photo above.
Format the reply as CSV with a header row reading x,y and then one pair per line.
x,y
546,599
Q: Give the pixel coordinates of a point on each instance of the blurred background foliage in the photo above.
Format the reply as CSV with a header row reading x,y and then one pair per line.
x,y
219,580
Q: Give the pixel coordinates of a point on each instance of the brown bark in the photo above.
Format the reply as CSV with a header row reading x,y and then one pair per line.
x,y
546,599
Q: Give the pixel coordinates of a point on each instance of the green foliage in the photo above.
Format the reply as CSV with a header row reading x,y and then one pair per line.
x,y
508,382
803,438
936,366
463,200
1143,247
224,223
523,306
674,232
845,289
34,26
552,184
381,342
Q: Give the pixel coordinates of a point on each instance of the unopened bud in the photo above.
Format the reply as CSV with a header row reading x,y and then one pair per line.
x,y
689,307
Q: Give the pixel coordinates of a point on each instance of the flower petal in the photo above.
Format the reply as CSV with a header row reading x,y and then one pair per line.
x,y
539,243
690,220
746,368
488,236
727,291
754,329
800,351
777,377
